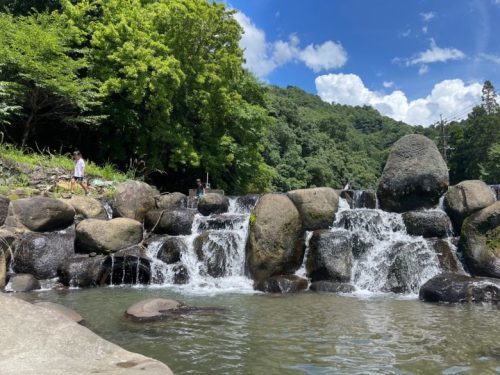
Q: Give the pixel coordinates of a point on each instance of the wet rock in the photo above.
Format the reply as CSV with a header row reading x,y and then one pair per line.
x,y
41,254
107,236
414,177
62,310
82,271
275,245
23,282
154,309
465,198
246,203
282,284
213,203
127,266
224,222
214,250
330,256
181,274
427,223
172,222
317,206
446,255
133,199
87,207
370,221
331,287
4,208
348,195
40,214
368,199
8,243
453,288
171,201
171,250
480,241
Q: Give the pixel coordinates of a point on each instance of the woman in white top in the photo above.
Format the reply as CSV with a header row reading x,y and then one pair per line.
x,y
79,173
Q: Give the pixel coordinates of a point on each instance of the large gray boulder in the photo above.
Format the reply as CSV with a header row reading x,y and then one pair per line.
x,y
43,342
330,256
4,208
134,199
274,245
82,271
171,250
446,254
427,223
23,282
213,203
107,236
154,309
87,207
331,287
282,284
171,201
480,241
61,310
317,206
172,222
41,254
465,198
126,266
453,288
40,214
415,175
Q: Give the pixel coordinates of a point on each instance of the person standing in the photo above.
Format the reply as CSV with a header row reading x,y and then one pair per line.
x,y
79,173
200,188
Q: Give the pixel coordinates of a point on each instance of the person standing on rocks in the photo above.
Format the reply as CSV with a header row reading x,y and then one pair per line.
x,y
200,188
79,172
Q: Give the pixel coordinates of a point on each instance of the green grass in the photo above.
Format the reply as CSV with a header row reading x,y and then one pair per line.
x,y
106,172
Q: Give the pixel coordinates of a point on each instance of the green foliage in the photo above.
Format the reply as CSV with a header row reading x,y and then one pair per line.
x,y
490,168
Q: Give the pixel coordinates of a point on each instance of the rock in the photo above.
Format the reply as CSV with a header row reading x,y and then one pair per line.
x,y
465,198
8,243
330,256
414,177
431,223
181,274
480,241
40,214
82,271
446,255
127,266
214,250
453,288
348,196
274,246
171,201
172,222
87,207
212,203
23,282
224,222
247,202
107,236
60,346
41,254
133,199
62,310
317,207
282,284
331,287
154,309
171,250
4,208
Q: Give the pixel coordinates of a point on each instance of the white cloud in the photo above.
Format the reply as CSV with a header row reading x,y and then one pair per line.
x,y
449,98
436,54
430,15
490,57
262,57
424,69
425,29
387,84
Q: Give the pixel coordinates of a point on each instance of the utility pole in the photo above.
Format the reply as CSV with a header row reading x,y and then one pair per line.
x,y
443,138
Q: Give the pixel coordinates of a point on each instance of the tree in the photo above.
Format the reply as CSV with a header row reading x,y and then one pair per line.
x,y
489,98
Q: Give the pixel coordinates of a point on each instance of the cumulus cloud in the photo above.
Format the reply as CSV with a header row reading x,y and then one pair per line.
x,y
449,98
427,16
387,84
262,57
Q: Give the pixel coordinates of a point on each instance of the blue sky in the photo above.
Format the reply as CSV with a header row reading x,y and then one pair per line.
x,y
412,60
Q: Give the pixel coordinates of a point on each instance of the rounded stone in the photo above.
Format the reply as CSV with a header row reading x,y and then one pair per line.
x,y
282,284
153,309
427,223
133,199
23,283
213,203
62,310
317,206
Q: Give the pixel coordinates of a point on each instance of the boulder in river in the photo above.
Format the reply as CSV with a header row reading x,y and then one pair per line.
x,y
41,254
126,266
275,245
171,250
480,241
133,199
172,222
213,203
446,255
465,198
8,243
282,284
214,250
415,175
87,207
454,288
331,287
4,208
62,310
107,236
317,206
330,256
154,309
23,282
171,201
427,223
82,271
40,214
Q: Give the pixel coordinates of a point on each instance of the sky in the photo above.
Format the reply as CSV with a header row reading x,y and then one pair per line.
x,y
412,60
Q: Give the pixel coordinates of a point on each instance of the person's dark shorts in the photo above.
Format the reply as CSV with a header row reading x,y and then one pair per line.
x,y
78,179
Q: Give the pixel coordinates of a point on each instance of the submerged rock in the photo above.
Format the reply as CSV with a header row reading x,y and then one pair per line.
x,y
331,287
427,223
171,201
62,310
282,284
275,245
455,288
4,208
175,222
181,274
87,207
154,309
415,175
213,203
23,282
133,199
40,214
330,256
317,206
465,198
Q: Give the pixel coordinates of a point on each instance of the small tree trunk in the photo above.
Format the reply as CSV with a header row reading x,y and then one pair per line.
x,y
27,129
